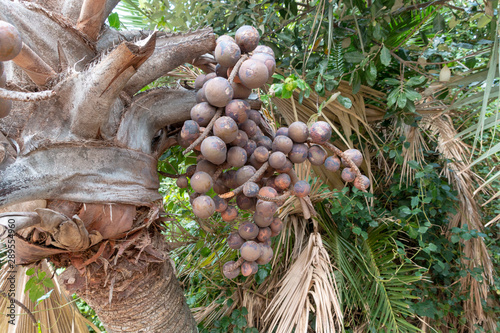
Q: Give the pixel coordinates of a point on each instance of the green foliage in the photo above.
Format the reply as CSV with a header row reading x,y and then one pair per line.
x,y
235,323
36,284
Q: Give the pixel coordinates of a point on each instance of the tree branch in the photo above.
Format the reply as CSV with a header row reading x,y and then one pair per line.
x,y
26,96
149,112
104,83
171,51
33,65
91,18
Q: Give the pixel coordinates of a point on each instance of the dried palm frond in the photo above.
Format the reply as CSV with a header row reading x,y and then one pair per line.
x,y
57,314
475,252
309,285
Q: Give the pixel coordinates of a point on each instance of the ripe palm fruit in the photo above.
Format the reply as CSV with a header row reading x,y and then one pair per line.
x,y
282,143
355,156
250,251
231,274
283,181
268,192
262,221
241,140
245,203
206,166
220,204
266,256
218,91
253,73
316,155
250,147
190,131
301,188
250,189
214,150
247,38
240,91
244,173
236,157
282,131
237,110
267,60
224,38
348,175
266,208
198,82
298,154
320,132
248,268
276,226
277,160
229,214
203,206
248,230
255,116
249,127
332,163
182,182
227,53
264,49
285,168
298,132
201,182
261,154
234,241
202,113
363,180
10,41
264,234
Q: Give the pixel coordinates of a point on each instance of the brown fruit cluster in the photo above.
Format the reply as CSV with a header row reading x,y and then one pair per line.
x,y
247,169
10,46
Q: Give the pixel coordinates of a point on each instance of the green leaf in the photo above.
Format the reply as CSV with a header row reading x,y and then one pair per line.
x,y
354,57
385,56
114,21
402,100
30,271
345,101
438,24
416,80
48,283
47,295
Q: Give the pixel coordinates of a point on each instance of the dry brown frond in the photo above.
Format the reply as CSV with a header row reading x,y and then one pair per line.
x,y
309,285
462,179
57,314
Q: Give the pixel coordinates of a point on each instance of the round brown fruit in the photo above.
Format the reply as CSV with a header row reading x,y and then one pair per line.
x,y
253,162
264,141
264,49
250,251
214,150
229,179
249,127
182,182
220,188
266,256
248,230
253,73
203,206
286,168
244,202
220,204
363,180
348,175
267,60
320,132
255,116
190,130
5,107
250,189
201,182
234,241
218,91
355,156
262,221
240,91
229,214
227,53
268,192
298,132
206,166
301,188
231,274
332,163
282,131
250,147
276,226
198,82
10,41
298,154
237,110
266,208
236,157
224,38
200,96
277,160
261,154
244,174
316,155
209,76
221,71
202,113
241,140
247,38
283,144
283,181
248,268
264,234
226,129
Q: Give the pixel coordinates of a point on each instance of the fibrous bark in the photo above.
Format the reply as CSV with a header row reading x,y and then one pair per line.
x,y
80,139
